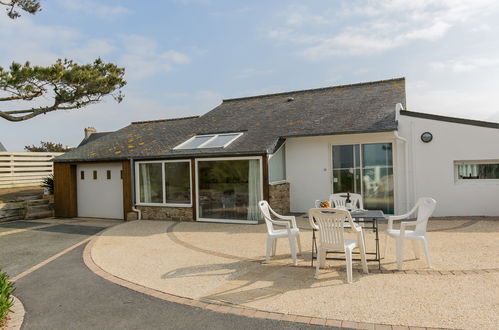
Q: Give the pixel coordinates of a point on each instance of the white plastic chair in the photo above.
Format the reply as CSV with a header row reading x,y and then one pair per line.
x,y
329,223
291,232
424,207
338,200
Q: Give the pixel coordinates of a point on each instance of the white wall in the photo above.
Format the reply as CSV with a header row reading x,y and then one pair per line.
x,y
432,172
308,167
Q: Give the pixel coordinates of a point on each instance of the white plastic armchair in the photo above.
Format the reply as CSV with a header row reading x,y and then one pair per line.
x,y
329,223
291,231
338,200
424,207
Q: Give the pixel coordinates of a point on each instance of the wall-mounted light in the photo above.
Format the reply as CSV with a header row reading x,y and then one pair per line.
x,y
426,137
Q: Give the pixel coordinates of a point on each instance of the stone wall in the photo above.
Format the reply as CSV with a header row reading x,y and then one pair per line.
x,y
166,213
279,197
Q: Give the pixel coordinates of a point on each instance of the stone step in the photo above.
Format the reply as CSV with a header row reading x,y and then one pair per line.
x,y
30,197
38,208
39,214
35,202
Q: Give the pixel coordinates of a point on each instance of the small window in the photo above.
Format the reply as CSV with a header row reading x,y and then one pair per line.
x,y
209,141
477,170
82,175
108,174
95,175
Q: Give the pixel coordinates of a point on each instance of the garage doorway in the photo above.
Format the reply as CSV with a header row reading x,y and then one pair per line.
x,y
100,190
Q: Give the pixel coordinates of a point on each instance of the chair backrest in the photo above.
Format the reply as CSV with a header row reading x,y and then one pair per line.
x,y
338,200
330,223
265,208
425,207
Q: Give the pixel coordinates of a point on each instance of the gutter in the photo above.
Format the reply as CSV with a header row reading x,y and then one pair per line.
x,y
132,187
398,108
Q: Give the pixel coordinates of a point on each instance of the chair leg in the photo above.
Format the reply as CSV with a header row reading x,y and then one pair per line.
x,y
317,264
400,252
298,241
322,259
386,245
270,243
274,247
363,258
292,246
348,254
427,252
415,248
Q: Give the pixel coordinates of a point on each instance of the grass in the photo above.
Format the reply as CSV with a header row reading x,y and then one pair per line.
x,y
6,300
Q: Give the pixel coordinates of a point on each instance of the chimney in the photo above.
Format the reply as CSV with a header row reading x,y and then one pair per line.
x,y
89,131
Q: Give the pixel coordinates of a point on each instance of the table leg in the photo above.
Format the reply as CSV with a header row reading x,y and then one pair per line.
x,y
314,247
378,256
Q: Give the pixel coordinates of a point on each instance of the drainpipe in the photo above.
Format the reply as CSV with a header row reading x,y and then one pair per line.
x,y
132,186
399,107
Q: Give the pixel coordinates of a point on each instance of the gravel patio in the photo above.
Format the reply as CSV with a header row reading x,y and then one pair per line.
x,y
222,263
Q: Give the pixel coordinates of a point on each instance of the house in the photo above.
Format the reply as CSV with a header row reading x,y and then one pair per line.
x,y
290,149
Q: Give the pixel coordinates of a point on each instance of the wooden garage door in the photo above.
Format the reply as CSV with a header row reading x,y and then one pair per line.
x,y
100,191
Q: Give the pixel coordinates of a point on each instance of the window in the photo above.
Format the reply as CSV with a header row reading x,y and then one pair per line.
x,y
477,170
178,183
365,169
164,183
108,174
95,175
82,175
209,141
150,182
277,165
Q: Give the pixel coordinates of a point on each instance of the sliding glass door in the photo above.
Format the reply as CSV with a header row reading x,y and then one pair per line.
x,y
229,190
366,169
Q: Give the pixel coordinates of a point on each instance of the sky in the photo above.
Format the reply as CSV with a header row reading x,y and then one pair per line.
x,y
183,57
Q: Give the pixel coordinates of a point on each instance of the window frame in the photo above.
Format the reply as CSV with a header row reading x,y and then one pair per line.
x,y
282,148
458,180
137,183
213,137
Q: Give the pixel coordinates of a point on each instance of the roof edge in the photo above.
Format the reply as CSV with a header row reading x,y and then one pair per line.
x,y
162,120
313,89
455,120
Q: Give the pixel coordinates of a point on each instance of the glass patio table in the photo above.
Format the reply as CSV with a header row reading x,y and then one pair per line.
x,y
365,217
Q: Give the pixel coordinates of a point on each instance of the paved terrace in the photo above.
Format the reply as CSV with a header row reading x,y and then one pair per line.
x,y
221,264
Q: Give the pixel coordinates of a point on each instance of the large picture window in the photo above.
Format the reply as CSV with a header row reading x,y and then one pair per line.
x,y
229,190
164,183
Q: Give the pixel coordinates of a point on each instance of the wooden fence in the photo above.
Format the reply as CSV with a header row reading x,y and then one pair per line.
x,y
24,169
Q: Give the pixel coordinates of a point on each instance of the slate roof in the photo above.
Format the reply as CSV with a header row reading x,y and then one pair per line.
x,y
265,120
93,137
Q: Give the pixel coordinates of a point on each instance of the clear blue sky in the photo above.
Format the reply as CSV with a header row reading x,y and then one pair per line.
x,y
182,57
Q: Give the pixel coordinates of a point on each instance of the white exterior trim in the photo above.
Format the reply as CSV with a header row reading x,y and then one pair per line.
x,y
137,183
197,160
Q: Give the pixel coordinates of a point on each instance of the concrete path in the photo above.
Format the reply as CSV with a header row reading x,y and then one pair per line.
x,y
64,294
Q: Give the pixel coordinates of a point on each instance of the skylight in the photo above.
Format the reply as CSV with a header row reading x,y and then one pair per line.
x,y
209,141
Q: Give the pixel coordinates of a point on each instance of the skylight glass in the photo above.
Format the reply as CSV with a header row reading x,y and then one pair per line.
x,y
220,140
195,142
209,141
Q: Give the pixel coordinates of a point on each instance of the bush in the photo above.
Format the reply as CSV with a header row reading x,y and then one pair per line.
x,y
6,300
48,183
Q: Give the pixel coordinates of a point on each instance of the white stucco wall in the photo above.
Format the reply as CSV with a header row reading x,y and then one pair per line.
x,y
308,166
432,172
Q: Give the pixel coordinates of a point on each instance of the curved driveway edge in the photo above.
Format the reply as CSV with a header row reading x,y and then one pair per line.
x,y
16,315
227,307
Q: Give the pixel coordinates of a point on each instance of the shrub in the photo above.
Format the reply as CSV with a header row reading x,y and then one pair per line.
x,y
48,183
6,300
